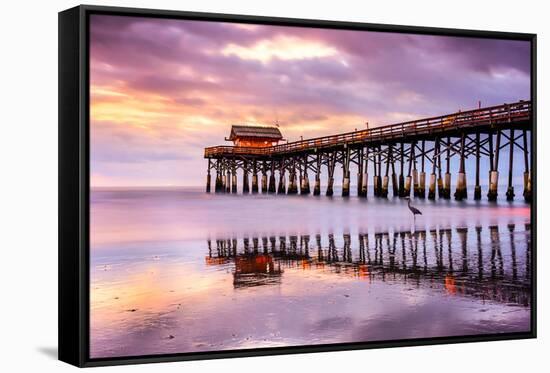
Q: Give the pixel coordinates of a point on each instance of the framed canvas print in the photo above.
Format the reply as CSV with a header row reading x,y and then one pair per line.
x,y
236,186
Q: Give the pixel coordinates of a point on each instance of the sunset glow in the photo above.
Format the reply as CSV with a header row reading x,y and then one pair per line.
x,y
162,90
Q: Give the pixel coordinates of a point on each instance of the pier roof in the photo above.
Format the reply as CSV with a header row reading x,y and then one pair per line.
x,y
255,131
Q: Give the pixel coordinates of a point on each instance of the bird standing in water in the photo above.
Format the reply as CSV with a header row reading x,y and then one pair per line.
x,y
413,209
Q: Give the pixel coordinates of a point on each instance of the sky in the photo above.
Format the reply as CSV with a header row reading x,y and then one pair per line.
x,y
162,90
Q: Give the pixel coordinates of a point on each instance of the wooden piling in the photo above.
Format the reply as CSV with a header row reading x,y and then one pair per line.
x,y
401,176
264,188
331,165
440,186
510,191
447,184
246,186
461,192
493,175
228,181
272,187
254,177
386,179
208,177
317,186
233,178
346,172
432,187
281,189
407,189
526,173
477,189
422,181
304,187
292,186
365,176
359,172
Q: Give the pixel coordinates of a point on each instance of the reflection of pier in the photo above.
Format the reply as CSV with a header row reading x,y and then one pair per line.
x,y
412,148
466,262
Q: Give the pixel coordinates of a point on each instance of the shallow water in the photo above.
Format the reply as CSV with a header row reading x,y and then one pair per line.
x,y
179,270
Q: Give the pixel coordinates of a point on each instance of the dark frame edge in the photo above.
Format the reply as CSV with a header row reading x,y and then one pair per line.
x,y
73,186
70,250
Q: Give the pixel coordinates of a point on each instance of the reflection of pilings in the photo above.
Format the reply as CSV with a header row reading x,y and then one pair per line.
x,y
479,254
397,255
462,235
511,228
496,253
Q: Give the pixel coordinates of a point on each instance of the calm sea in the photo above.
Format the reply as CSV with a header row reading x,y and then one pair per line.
x,y
178,270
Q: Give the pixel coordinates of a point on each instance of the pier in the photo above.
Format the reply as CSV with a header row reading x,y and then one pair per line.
x,y
414,157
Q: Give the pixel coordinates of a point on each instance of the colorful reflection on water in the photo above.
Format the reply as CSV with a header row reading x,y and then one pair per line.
x,y
166,278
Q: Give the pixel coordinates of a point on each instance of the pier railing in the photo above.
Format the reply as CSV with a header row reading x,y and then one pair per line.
x,y
489,116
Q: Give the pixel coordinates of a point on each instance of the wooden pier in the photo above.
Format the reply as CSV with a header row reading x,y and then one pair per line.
x,y
401,154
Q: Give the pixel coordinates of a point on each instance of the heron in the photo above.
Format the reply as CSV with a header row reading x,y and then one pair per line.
x,y
413,209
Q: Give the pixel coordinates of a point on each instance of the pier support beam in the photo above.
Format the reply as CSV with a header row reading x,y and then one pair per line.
x,y
227,181
282,179
365,176
346,172
359,172
272,187
292,185
422,181
401,176
447,185
304,187
254,177
461,191
477,188
219,177
246,186
331,166
317,186
264,178
408,180
510,191
431,188
233,179
526,173
493,174
386,179
208,177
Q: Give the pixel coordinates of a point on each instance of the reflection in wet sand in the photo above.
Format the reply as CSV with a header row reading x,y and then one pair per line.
x,y
396,256
177,271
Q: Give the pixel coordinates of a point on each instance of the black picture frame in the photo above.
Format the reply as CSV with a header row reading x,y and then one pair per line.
x,y
74,183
